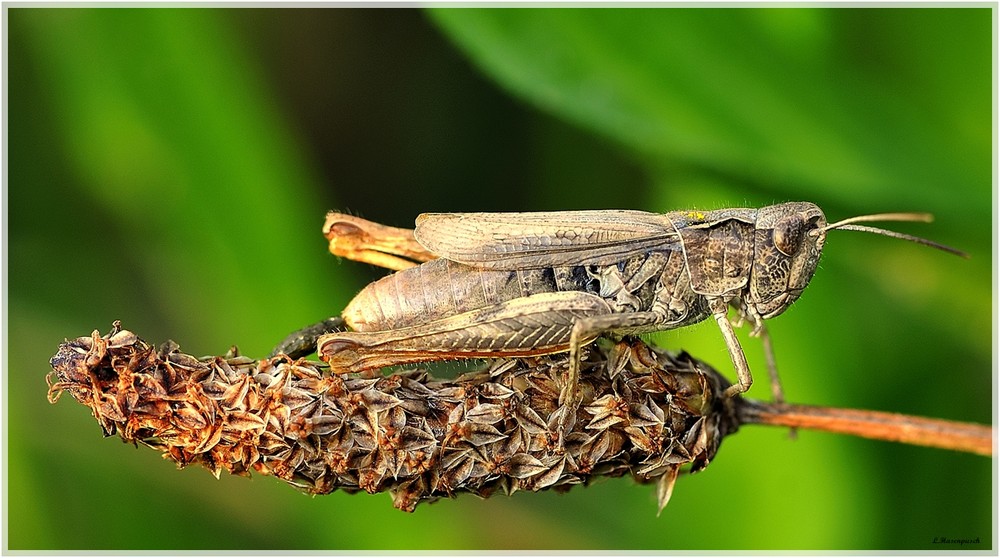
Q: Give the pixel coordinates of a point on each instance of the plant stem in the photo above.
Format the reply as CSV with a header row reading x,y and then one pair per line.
x,y
892,427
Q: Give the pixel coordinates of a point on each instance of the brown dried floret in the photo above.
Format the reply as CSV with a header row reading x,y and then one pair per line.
x,y
645,412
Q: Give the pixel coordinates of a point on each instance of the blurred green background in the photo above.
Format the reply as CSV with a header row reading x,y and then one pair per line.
x,y
172,167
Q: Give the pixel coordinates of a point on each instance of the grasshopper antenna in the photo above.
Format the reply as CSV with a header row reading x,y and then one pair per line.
x,y
846,225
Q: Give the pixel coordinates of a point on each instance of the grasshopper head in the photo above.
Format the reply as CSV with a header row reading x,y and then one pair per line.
x,y
787,244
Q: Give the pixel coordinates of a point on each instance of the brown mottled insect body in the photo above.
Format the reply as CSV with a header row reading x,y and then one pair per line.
x,y
518,284
511,312
441,288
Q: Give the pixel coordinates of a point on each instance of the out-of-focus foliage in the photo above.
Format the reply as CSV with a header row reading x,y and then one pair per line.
x,y
171,168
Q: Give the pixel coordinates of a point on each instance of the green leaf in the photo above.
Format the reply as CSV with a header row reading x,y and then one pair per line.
x,y
853,105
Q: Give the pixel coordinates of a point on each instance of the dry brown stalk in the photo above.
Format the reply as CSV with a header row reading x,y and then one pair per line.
x,y
645,412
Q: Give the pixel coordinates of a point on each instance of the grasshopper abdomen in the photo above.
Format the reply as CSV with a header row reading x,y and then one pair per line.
x,y
441,288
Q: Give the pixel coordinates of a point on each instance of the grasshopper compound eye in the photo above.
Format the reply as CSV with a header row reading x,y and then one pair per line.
x,y
788,234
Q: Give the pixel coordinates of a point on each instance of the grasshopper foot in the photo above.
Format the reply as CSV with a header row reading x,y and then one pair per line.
x,y
569,398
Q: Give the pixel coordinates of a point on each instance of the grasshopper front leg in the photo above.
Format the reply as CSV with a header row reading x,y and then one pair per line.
x,y
720,311
759,329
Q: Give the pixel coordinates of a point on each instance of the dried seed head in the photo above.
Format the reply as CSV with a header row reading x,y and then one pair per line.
x,y
645,412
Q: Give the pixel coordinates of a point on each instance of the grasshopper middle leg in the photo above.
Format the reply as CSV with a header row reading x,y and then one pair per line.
x,y
591,327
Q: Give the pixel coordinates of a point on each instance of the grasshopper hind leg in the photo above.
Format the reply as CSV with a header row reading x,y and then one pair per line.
x,y
538,324
527,326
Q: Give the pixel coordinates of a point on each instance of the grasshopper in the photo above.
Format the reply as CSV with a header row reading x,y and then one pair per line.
x,y
480,285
